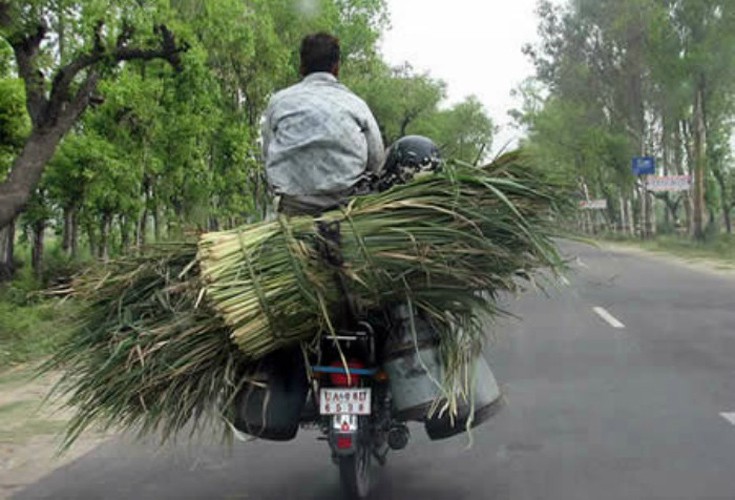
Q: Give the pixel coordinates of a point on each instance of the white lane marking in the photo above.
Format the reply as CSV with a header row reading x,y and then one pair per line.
x,y
609,318
730,417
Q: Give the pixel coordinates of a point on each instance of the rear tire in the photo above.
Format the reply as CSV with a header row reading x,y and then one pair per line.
x,y
354,474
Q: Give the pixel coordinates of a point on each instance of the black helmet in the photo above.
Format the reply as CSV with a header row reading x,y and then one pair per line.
x,y
407,157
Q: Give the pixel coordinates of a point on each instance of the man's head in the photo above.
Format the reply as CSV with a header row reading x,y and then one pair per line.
x,y
320,52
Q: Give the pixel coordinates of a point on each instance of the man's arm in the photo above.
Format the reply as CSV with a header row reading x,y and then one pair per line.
x,y
376,150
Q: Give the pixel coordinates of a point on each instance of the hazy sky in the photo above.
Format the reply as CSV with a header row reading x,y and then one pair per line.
x,y
473,45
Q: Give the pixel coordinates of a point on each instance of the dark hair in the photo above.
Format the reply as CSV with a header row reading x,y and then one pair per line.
x,y
319,52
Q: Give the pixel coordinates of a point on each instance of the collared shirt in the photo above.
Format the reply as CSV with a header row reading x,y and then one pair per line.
x,y
319,141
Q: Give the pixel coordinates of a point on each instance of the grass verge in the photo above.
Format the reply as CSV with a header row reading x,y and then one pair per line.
x,y
719,250
30,331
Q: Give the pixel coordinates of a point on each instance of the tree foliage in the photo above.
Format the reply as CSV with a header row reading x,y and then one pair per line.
x,y
622,78
168,142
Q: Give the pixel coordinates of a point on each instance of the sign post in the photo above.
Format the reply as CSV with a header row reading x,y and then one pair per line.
x,y
600,204
669,183
643,166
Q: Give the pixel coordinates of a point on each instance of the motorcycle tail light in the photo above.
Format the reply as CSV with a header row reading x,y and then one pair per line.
x,y
344,442
341,379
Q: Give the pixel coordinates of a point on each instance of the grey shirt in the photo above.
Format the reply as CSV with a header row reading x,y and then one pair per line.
x,y
319,141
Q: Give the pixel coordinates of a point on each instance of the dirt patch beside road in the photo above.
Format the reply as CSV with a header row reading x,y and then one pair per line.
x,y
30,431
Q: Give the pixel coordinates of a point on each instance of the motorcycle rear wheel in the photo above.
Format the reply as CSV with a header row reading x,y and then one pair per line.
x,y
354,474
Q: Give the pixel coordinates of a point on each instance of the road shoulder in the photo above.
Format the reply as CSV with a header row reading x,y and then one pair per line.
x,y
716,267
30,431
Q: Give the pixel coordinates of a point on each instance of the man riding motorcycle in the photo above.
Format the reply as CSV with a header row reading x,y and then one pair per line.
x,y
321,143
322,146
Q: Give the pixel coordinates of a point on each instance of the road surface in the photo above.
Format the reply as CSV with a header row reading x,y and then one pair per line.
x,y
619,386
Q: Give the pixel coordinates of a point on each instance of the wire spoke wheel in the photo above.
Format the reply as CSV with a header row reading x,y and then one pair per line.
x,y
354,473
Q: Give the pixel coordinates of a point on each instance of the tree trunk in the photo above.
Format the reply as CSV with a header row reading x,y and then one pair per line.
x,y
124,234
724,200
26,171
104,248
37,240
652,218
647,210
66,231
74,235
142,229
404,126
679,147
7,250
687,204
672,209
92,240
700,165
214,223
639,212
666,154
156,225
62,31
69,231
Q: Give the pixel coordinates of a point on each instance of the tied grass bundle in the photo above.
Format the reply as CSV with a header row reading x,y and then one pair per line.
x,y
166,339
145,354
447,242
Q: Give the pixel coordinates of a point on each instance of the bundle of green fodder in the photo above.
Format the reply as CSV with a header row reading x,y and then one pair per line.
x,y
145,354
447,242
167,338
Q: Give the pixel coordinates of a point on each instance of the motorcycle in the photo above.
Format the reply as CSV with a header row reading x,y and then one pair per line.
x,y
354,404
359,389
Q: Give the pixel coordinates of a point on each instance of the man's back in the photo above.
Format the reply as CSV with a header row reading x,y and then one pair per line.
x,y
320,138
320,141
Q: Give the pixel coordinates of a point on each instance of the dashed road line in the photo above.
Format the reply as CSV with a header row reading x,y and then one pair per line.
x,y
609,318
730,417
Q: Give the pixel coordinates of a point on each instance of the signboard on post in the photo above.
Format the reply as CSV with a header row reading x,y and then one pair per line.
x,y
644,165
593,204
669,183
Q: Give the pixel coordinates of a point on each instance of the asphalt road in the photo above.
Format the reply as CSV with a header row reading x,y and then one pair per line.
x,y
593,411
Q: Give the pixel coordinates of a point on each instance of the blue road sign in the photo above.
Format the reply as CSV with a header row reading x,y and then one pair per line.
x,y
645,165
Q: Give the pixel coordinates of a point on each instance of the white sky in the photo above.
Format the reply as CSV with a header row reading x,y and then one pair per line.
x,y
473,45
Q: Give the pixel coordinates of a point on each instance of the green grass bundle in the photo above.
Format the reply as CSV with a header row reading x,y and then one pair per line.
x,y
447,242
145,354
165,340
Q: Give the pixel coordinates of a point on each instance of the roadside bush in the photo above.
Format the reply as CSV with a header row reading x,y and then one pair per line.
x,y
29,332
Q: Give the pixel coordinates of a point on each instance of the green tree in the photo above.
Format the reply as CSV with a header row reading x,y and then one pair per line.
x,y
399,97
656,73
110,32
149,152
464,131
14,128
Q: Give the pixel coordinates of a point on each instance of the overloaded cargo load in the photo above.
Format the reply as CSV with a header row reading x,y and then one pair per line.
x,y
186,333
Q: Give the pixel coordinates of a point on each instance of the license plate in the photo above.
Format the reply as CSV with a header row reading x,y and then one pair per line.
x,y
344,401
344,423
